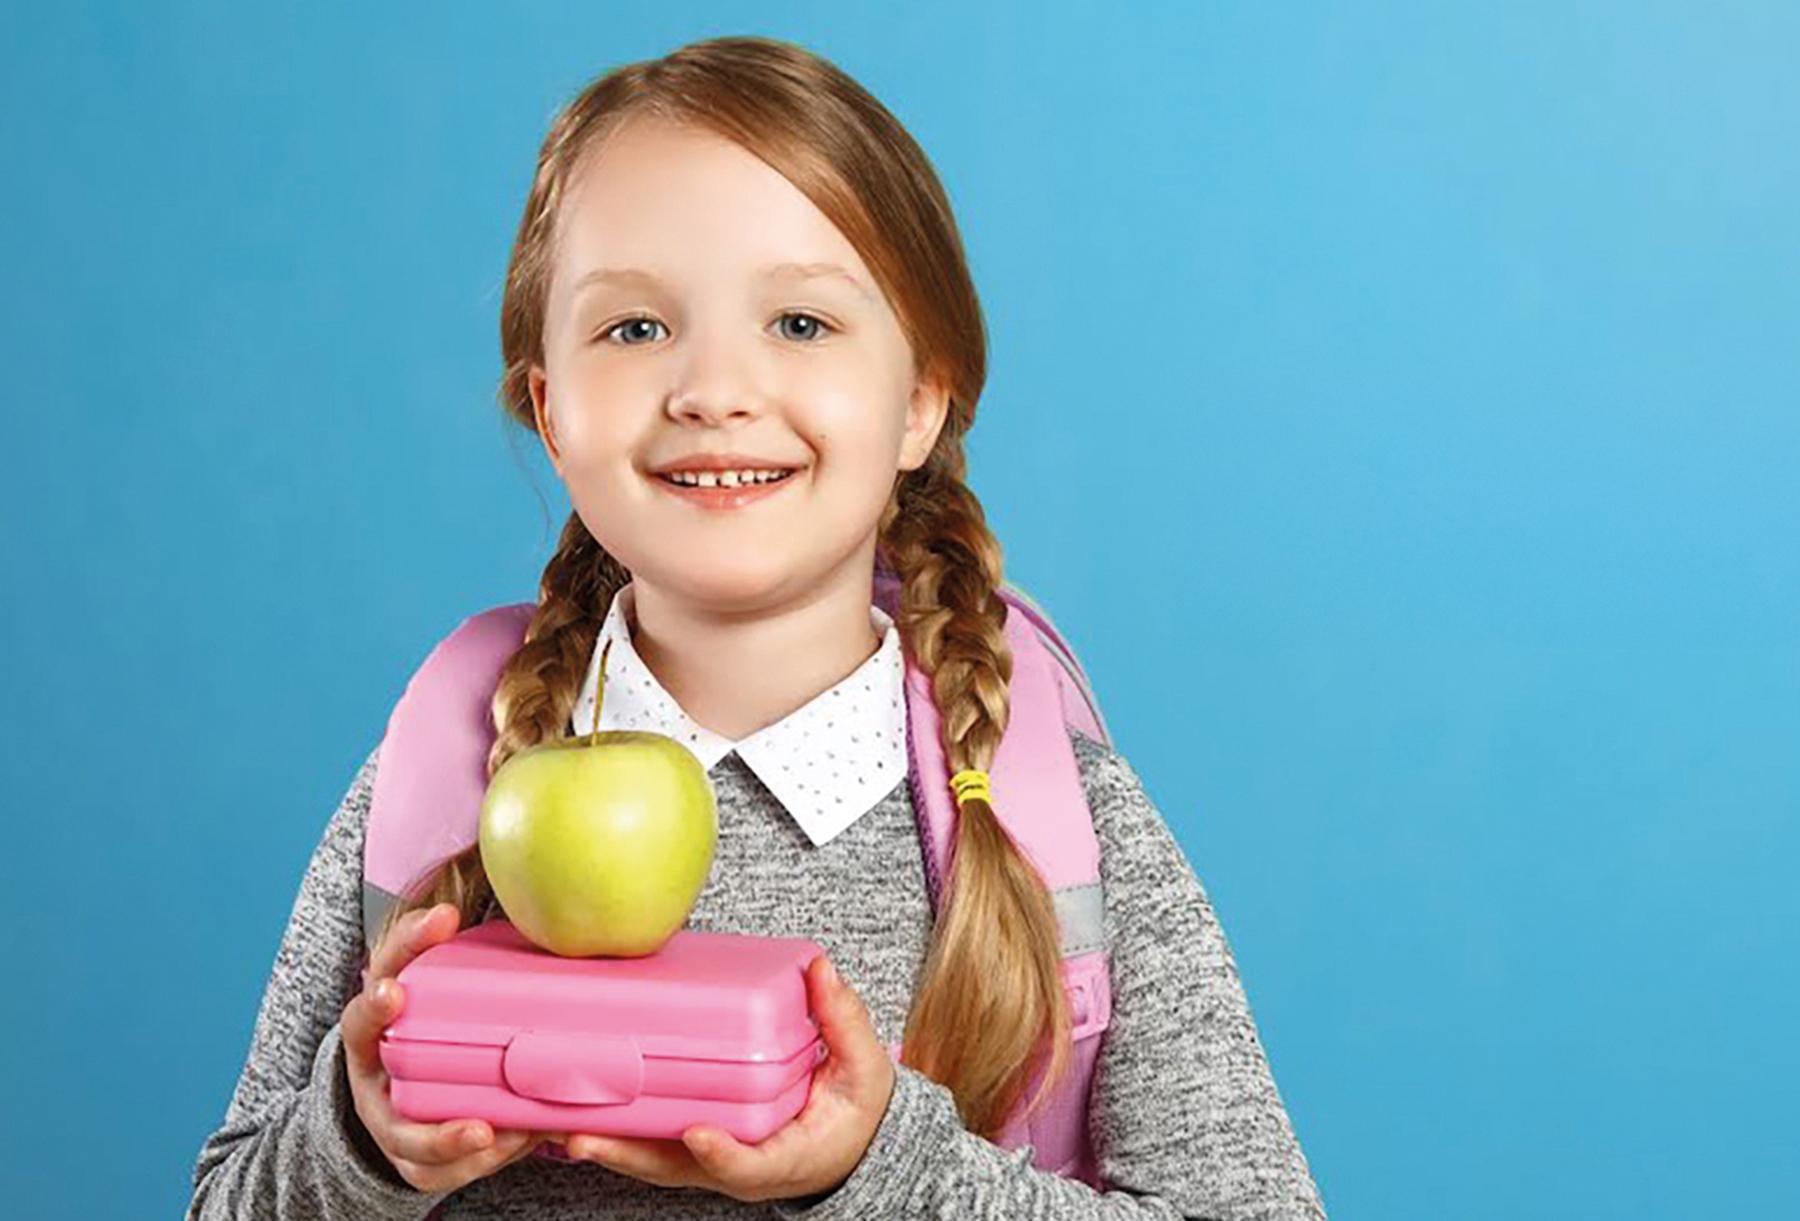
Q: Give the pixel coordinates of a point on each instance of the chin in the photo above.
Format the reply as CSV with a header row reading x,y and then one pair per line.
x,y
726,581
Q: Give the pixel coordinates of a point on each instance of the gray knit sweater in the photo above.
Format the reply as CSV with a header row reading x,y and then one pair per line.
x,y
1184,1113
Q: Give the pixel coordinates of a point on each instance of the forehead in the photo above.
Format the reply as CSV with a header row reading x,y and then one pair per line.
x,y
690,206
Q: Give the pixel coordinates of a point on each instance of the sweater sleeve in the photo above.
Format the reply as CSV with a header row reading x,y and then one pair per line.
x,y
291,1147
1184,1114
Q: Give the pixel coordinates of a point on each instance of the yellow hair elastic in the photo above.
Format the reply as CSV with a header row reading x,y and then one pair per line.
x,y
971,782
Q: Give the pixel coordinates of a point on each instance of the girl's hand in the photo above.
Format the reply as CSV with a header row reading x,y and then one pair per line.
x,y
814,1152
430,1156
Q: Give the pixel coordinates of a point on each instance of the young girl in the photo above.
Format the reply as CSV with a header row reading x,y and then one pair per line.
x,y
733,257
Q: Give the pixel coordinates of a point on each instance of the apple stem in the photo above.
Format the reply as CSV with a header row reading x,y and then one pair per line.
x,y
600,688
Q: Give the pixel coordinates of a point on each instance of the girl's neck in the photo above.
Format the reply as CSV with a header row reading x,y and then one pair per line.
x,y
735,673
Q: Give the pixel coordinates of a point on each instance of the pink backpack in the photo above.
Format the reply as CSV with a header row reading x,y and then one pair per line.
x,y
431,777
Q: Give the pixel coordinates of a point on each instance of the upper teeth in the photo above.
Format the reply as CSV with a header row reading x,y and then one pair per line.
x,y
726,479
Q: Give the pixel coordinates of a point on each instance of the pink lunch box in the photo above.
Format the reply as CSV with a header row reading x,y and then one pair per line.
x,y
713,1028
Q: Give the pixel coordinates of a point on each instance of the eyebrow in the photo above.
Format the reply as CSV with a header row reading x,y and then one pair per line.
x,y
789,271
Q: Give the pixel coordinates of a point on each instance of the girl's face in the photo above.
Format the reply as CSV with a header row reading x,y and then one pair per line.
x,y
678,324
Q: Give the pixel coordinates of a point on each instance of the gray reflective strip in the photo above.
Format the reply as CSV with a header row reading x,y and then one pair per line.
x,y
1081,910
376,902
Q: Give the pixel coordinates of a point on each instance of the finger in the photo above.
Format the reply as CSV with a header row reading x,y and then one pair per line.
x,y
368,1014
415,933
421,929
437,1144
730,1161
425,1145
510,1145
666,1163
506,1145
844,1021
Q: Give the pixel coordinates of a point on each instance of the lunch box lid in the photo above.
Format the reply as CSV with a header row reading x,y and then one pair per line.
x,y
701,996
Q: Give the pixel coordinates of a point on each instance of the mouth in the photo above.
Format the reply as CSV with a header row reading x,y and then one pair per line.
x,y
719,496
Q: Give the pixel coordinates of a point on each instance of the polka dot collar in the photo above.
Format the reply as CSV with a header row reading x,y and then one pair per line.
x,y
829,762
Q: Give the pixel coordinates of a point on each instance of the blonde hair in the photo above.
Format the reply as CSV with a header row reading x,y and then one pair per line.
x,y
991,999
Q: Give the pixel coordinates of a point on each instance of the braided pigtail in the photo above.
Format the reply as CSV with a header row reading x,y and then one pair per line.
x,y
534,697
992,996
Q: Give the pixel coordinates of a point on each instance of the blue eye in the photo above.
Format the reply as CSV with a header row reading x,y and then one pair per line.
x,y
810,318
607,333
625,322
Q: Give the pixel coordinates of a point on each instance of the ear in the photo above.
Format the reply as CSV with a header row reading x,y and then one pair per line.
x,y
540,409
926,411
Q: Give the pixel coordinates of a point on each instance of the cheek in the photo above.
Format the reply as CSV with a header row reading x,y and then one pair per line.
x,y
852,462
858,470
859,432
592,426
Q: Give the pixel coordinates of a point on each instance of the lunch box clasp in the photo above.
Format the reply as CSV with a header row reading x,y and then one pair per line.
x,y
584,1069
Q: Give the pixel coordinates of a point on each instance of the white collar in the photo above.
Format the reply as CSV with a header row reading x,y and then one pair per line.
x,y
828,762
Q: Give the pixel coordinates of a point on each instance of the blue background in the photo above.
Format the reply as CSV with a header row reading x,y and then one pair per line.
x,y
1396,404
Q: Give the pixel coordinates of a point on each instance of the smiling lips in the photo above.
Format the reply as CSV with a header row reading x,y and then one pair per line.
x,y
724,497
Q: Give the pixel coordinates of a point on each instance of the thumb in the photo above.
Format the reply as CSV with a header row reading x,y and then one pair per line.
x,y
363,1021
844,1021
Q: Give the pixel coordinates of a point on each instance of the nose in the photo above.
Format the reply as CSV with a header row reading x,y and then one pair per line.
x,y
692,408
717,385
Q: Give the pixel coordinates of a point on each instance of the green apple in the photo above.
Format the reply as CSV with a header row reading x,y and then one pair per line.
x,y
598,844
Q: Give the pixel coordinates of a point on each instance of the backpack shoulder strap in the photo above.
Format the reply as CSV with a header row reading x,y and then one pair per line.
x,y
1081,707
1039,797
431,772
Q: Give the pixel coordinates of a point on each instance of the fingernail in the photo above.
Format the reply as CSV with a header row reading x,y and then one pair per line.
x,y
830,973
